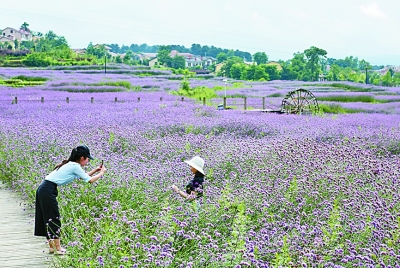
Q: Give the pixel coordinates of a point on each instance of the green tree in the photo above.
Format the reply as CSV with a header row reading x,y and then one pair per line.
x,y
260,58
61,52
260,73
221,57
8,45
36,60
334,71
226,69
353,77
196,49
236,70
98,51
362,65
272,71
345,74
314,55
50,41
127,57
178,62
298,67
231,53
387,80
374,78
287,73
163,55
50,35
25,26
27,45
118,59
396,79
255,73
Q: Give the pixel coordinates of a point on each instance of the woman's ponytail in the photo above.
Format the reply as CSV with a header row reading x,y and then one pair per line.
x,y
72,157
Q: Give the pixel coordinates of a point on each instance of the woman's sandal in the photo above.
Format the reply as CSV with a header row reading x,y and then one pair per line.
x,y
57,252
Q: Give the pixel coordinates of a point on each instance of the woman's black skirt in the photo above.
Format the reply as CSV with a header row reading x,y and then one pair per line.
x,y
47,216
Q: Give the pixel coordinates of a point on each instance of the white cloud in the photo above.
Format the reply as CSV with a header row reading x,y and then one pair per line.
x,y
373,10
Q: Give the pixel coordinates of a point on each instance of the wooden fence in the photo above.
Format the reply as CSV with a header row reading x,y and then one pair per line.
x,y
222,103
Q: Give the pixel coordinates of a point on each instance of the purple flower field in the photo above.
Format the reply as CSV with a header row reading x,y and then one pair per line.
x,y
280,191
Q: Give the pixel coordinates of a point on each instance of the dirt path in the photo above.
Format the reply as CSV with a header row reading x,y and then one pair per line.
x,y
18,246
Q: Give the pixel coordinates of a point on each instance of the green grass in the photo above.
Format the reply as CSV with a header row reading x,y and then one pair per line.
x,y
236,96
238,84
196,93
23,81
124,84
337,109
347,87
30,78
276,95
20,83
363,98
341,98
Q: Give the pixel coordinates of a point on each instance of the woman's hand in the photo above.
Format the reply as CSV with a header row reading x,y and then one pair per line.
x,y
102,169
98,169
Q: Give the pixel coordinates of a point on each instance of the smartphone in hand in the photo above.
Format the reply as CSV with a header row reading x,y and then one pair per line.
x,y
101,163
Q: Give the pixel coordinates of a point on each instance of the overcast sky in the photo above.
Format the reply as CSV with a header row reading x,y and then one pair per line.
x,y
365,29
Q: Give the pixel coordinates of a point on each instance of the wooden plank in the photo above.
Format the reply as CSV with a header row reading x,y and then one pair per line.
x,y
18,246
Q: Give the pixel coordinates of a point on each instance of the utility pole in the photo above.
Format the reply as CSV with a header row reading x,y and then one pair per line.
x,y
226,85
366,75
105,63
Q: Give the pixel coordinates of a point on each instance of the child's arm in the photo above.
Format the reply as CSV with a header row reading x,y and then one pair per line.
x,y
192,195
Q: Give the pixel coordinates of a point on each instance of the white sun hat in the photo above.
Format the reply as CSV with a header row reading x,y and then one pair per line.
x,y
196,162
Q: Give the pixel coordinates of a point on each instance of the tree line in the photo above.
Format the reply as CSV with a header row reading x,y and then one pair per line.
x,y
195,49
310,65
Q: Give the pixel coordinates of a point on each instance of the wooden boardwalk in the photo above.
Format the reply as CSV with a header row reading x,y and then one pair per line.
x,y
18,246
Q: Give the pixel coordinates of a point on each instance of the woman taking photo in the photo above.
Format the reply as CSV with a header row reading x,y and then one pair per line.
x,y
47,216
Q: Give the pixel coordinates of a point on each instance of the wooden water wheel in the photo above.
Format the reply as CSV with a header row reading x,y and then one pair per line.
x,y
299,101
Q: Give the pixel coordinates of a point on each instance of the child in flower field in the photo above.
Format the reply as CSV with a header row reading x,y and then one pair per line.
x,y
194,189
47,216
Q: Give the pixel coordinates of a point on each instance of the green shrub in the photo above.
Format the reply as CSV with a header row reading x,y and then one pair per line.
x,y
196,93
37,60
185,85
125,84
20,83
30,78
275,95
238,84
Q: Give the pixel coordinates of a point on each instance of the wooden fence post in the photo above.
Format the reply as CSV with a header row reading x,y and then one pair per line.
x,y
263,101
92,100
42,100
245,103
224,103
67,99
